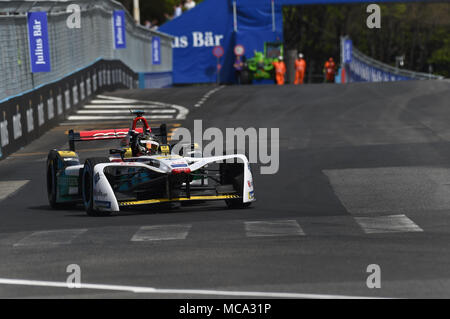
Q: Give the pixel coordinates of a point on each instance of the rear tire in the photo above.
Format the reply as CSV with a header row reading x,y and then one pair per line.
x,y
52,166
87,186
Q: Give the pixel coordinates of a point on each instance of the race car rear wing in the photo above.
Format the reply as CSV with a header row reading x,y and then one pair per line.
x,y
112,134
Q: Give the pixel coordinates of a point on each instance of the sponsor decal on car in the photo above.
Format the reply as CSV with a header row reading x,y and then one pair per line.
x,y
99,193
178,165
251,195
169,158
102,204
96,178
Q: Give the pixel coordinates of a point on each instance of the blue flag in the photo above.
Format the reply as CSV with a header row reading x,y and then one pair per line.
x,y
39,45
119,23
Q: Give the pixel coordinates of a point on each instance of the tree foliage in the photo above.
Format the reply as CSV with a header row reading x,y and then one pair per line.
x,y
419,31
154,9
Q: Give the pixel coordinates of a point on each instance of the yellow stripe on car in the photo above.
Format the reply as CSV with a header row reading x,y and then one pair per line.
x,y
67,154
180,199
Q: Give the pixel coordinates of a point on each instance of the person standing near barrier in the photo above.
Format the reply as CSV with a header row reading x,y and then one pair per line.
x,y
300,69
330,70
238,67
280,70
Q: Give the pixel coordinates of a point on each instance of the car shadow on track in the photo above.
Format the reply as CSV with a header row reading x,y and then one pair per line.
x,y
78,211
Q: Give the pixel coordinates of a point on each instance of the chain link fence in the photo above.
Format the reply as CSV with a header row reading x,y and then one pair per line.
x,y
71,49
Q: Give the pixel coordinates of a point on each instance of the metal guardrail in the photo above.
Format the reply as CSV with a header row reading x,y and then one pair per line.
x,y
71,49
387,68
361,67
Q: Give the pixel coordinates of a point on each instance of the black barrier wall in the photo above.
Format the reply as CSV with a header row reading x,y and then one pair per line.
x,y
28,116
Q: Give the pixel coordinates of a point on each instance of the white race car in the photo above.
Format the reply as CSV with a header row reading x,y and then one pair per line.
x,y
144,172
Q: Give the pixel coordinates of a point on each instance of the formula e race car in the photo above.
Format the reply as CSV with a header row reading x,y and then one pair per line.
x,y
145,171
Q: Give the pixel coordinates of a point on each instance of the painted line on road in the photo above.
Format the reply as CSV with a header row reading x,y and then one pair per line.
x,y
161,111
104,124
151,290
101,118
162,232
103,102
182,111
50,238
114,98
208,95
387,224
273,228
10,187
125,106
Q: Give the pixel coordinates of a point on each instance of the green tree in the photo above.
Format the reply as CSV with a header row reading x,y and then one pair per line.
x,y
420,31
154,9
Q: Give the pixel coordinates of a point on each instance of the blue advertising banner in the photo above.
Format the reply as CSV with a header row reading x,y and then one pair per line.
x,y
359,71
156,50
119,23
39,45
348,50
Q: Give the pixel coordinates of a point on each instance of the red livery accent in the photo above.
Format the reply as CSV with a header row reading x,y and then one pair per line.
x,y
181,171
105,134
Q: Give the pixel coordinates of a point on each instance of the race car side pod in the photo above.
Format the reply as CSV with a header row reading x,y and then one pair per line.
x,y
101,135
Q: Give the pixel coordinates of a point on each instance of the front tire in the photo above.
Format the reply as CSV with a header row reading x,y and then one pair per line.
x,y
87,186
232,174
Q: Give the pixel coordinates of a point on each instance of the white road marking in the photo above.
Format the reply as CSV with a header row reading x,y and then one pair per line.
x,y
208,95
124,106
10,187
50,238
162,232
124,112
113,98
113,117
182,112
273,228
340,225
387,224
110,102
151,290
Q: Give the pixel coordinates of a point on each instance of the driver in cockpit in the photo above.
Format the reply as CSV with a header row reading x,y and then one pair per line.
x,y
143,144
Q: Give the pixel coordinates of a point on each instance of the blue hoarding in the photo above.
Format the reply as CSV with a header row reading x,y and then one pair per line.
x,y
39,45
156,50
359,71
119,23
348,51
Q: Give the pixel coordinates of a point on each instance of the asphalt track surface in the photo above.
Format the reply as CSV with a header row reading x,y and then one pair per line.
x,y
364,179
